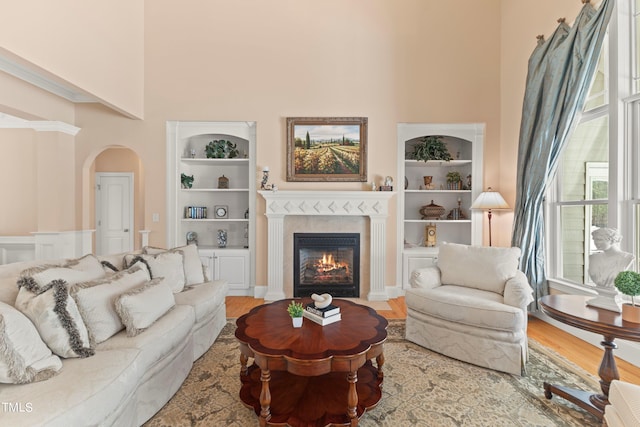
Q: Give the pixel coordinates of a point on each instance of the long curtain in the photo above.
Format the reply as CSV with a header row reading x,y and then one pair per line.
x,y
559,74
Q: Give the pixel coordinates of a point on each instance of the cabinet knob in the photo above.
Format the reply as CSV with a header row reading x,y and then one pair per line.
x,y
126,230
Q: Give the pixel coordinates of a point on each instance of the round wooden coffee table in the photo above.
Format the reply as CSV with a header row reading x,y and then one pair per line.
x,y
314,375
573,310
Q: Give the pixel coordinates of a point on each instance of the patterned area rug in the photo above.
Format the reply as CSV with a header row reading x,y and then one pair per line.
x,y
421,388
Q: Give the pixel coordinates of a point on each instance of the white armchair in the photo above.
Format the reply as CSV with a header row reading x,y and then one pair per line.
x,y
624,405
472,307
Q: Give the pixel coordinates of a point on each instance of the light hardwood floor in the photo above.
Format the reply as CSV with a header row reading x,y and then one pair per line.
x,y
579,352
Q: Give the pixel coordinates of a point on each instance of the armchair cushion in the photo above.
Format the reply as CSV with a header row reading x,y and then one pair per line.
x,y
518,292
485,268
466,306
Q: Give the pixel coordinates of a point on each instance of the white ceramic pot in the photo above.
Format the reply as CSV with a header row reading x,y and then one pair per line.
x,y
297,322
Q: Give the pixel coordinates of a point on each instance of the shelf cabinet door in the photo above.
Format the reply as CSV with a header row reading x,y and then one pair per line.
x,y
233,267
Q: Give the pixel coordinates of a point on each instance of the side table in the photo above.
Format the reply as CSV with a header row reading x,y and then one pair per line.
x,y
574,311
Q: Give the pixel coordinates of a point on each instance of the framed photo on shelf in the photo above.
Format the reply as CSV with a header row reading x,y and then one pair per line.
x,y
327,149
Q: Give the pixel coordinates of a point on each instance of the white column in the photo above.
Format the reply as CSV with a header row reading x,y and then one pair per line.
x,y
275,250
377,291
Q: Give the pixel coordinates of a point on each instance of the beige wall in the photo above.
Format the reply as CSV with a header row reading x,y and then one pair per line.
x,y
94,45
401,61
521,22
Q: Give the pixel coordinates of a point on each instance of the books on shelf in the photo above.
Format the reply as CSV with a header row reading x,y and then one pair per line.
x,y
327,311
321,320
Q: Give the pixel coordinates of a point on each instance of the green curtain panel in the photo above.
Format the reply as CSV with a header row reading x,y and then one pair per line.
x,y
559,74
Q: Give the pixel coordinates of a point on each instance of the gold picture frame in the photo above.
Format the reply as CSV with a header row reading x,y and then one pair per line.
x,y
327,149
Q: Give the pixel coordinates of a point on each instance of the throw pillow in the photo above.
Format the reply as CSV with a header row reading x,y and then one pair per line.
x,y
55,314
485,268
426,278
141,307
96,300
24,358
193,269
168,265
39,278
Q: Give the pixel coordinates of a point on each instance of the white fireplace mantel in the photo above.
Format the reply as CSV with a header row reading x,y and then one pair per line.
x,y
372,204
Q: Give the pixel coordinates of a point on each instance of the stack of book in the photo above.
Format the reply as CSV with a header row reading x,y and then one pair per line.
x,y
322,316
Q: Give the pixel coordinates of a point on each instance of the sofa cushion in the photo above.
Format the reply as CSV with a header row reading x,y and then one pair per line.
x,y
193,270
24,358
486,268
86,392
426,278
157,341
204,298
467,306
142,306
96,300
56,316
166,264
9,289
37,279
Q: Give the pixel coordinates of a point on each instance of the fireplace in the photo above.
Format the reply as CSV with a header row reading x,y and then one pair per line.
x,y
326,263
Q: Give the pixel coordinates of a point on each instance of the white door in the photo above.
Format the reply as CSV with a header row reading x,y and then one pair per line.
x,y
114,213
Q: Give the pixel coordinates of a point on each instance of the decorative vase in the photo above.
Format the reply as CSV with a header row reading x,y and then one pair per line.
x,y
427,180
297,322
222,238
631,313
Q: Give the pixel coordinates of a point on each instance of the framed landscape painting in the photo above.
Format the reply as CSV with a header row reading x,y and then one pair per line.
x,y
327,149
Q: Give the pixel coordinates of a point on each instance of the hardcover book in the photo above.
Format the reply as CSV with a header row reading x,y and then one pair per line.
x,y
321,320
327,311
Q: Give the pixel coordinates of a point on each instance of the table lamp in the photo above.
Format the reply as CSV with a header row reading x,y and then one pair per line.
x,y
487,201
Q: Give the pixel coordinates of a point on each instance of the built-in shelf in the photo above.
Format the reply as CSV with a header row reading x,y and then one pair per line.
x,y
464,141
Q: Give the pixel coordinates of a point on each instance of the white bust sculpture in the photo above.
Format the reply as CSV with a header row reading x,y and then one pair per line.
x,y
604,266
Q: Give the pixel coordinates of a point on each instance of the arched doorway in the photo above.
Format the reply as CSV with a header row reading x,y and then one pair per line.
x,y
117,194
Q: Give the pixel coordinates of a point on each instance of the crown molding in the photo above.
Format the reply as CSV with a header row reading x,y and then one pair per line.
x,y
44,82
11,122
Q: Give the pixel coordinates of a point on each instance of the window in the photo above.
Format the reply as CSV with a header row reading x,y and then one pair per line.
x,y
597,184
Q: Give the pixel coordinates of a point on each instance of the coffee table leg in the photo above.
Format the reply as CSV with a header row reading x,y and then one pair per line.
x,y
352,398
243,364
265,397
380,362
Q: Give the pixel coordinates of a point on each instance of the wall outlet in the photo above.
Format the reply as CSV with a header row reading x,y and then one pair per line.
x,y
155,217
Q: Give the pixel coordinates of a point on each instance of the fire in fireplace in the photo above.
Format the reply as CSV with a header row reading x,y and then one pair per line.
x,y
326,263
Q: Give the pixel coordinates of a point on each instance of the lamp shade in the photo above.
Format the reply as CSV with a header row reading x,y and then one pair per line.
x,y
489,200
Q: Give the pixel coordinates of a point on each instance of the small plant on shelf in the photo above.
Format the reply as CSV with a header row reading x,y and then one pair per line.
x,y
221,149
295,309
454,180
431,148
186,180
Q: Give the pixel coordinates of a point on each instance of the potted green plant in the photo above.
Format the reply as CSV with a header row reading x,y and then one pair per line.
x,y
221,149
186,180
295,310
431,148
628,282
454,180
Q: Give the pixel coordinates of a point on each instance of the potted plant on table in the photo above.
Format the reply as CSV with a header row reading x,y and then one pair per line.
x,y
628,282
295,310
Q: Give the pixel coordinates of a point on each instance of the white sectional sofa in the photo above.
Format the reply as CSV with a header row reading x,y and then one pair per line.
x,y
131,374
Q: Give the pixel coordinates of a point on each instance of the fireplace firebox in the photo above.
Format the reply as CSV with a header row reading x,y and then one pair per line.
x,y
326,263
